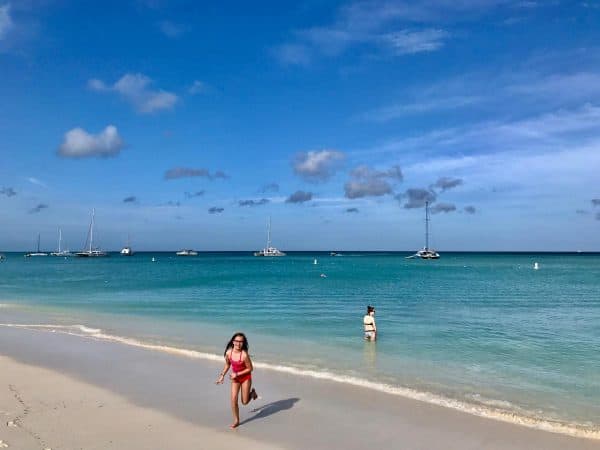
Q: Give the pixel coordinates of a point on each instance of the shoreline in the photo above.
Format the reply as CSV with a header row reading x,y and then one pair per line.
x,y
181,387
474,409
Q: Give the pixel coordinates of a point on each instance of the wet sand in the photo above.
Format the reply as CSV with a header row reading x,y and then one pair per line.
x,y
61,391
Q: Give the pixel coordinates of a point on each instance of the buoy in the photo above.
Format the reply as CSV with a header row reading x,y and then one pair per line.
x,y
536,266
315,261
153,259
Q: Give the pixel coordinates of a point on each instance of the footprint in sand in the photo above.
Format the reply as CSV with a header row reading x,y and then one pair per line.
x,y
3,444
11,423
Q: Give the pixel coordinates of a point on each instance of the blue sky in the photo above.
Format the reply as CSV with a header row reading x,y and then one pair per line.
x,y
186,124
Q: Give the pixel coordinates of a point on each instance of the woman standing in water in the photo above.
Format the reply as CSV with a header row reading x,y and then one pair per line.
x,y
237,357
369,324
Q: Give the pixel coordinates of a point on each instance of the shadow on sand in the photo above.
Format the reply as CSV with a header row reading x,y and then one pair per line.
x,y
271,408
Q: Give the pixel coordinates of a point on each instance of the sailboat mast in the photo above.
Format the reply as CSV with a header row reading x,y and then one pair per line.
x,y
426,225
38,247
269,233
92,228
59,239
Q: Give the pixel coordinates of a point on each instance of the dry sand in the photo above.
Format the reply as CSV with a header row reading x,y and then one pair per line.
x,y
66,392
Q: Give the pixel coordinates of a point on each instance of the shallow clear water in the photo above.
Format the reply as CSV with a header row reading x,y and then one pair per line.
x,y
481,329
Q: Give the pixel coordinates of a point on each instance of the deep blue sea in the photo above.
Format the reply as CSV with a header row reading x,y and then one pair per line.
x,y
482,332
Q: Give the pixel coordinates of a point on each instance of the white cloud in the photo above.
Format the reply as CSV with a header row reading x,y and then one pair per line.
x,y
135,88
78,143
317,165
6,22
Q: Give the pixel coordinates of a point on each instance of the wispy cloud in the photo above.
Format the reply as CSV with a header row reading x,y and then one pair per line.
x,y
299,197
423,106
8,191
78,143
543,133
367,182
596,201
293,54
316,166
136,89
372,26
198,87
186,172
172,29
351,210
37,182
405,42
470,209
215,210
6,22
38,208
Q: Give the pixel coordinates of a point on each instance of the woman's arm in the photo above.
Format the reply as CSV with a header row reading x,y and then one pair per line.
x,y
224,371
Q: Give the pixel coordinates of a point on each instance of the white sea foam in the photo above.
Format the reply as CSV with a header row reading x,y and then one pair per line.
x,y
493,409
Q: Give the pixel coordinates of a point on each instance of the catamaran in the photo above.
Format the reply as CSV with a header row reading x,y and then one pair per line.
x,y
187,252
61,252
426,252
37,252
269,250
91,251
127,251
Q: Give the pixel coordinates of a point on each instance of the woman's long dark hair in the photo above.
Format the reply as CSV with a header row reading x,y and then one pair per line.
x,y
245,346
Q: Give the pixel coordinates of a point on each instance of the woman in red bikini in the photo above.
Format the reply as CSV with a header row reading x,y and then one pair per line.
x,y
237,357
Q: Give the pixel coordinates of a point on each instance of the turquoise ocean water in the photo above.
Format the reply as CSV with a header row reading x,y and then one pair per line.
x,y
482,332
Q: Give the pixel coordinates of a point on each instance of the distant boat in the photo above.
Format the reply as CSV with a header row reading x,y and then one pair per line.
x,y
2,257
91,252
335,254
187,252
269,250
127,251
37,252
426,252
60,252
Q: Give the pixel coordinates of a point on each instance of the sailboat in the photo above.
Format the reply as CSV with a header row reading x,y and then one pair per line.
x,y
269,250
426,252
60,251
127,251
91,251
37,252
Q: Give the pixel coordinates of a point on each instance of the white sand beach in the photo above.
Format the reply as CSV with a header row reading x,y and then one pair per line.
x,y
61,391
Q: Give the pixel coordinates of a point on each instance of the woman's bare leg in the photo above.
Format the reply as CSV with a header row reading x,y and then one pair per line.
x,y
248,393
235,409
